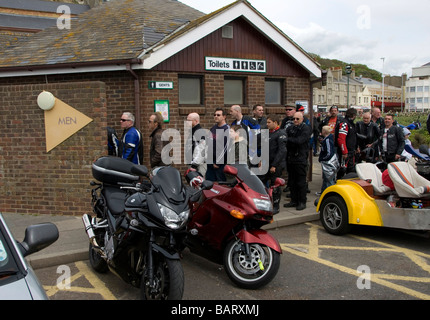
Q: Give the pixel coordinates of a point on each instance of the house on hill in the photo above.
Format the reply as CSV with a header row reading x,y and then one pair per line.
x,y
137,55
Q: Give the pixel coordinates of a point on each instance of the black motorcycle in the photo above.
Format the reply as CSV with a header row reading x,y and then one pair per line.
x,y
137,226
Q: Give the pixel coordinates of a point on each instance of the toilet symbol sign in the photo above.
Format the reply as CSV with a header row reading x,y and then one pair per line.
x,y
232,64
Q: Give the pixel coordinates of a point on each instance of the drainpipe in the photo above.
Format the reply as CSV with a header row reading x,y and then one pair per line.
x,y
136,95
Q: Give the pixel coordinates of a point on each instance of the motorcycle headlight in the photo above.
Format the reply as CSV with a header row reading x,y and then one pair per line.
x,y
261,204
172,219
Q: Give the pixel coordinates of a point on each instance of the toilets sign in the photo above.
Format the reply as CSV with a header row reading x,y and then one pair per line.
x,y
232,64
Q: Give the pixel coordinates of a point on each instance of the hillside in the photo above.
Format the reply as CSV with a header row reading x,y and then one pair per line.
x,y
360,69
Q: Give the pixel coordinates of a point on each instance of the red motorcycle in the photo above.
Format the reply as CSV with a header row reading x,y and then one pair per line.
x,y
226,222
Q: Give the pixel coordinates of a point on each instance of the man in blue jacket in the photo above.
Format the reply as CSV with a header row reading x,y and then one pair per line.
x,y
132,144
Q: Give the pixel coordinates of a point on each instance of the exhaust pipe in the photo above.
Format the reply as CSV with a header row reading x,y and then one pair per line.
x,y
89,230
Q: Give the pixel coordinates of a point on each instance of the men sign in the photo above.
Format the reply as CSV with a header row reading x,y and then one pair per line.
x,y
61,122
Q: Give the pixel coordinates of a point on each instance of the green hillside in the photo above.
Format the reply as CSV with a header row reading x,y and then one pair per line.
x,y
360,69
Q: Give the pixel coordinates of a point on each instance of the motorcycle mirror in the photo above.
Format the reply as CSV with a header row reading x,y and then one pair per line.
x,y
207,184
279,182
230,170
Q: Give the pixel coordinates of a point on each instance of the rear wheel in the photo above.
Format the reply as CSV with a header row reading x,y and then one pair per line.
x,y
96,261
168,282
334,215
251,272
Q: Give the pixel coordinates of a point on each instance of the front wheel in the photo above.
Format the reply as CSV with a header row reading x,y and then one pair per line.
x,y
251,272
334,215
168,282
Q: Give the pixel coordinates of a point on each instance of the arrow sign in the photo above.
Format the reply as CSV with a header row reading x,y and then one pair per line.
x,y
61,122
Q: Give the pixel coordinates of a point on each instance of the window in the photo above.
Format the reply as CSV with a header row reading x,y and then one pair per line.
x,y
190,90
273,90
233,91
426,88
420,89
412,89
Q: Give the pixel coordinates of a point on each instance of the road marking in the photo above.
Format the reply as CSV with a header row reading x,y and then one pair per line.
x,y
98,286
311,251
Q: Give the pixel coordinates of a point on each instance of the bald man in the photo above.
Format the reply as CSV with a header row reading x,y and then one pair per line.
x,y
298,137
197,144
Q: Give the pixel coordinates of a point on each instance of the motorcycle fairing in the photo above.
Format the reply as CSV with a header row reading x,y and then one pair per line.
x,y
259,236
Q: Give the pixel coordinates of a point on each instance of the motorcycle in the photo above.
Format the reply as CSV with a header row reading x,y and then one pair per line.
x,y
423,160
225,226
134,233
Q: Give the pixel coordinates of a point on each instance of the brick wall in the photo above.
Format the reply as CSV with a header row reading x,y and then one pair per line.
x,y
33,181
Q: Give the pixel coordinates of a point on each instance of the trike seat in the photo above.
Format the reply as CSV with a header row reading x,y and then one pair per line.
x,y
407,181
370,172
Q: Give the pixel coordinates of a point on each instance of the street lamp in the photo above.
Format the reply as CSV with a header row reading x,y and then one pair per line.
x,y
383,86
348,70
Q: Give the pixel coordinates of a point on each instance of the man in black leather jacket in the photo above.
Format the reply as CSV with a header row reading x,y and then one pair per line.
x,y
368,138
392,141
298,137
277,152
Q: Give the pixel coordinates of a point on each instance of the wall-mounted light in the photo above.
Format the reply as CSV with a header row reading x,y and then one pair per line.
x,y
46,100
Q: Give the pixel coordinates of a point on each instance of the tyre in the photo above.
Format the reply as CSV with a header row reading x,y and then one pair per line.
x,y
168,280
334,215
96,261
252,273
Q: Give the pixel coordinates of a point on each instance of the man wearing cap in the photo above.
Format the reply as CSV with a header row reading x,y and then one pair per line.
x,y
300,108
286,123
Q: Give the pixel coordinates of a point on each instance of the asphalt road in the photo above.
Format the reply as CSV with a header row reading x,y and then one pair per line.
x,y
369,264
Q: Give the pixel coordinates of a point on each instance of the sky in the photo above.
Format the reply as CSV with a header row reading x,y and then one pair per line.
x,y
390,36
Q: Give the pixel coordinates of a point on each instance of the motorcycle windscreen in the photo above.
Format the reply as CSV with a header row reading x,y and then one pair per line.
x,y
169,180
250,179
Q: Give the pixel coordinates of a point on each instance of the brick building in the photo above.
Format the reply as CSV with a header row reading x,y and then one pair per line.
x,y
130,55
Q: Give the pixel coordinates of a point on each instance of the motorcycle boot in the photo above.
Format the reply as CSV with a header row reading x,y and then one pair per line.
x,y
277,192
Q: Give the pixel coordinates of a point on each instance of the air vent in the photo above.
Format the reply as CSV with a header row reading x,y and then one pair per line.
x,y
227,32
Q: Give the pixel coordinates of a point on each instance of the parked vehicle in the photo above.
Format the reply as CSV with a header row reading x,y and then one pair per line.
x,y
17,279
367,201
137,224
225,227
422,160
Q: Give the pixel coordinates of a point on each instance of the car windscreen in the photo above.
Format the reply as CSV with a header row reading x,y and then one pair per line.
x,y
9,270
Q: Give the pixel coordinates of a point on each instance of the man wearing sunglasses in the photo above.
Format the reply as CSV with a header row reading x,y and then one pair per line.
x,y
298,137
132,144
287,122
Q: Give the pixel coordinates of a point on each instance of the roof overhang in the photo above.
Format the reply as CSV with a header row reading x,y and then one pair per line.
x,y
167,48
69,68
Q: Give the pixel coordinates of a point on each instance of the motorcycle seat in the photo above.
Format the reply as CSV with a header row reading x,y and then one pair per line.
x,y
115,199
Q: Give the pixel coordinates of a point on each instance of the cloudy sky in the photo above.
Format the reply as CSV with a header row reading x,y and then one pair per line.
x,y
351,30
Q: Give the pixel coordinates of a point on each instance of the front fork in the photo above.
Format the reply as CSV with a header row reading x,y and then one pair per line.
x,y
257,236
153,247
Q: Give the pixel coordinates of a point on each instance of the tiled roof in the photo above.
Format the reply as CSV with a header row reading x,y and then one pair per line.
x,y
41,6
115,30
